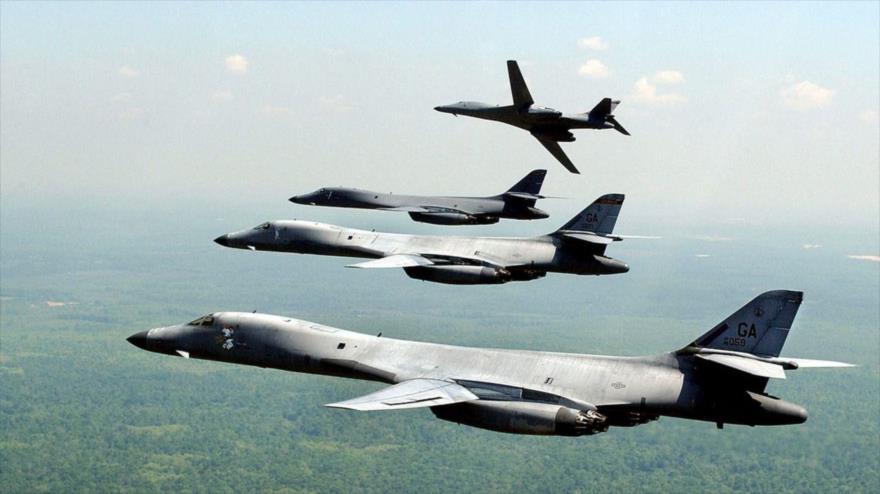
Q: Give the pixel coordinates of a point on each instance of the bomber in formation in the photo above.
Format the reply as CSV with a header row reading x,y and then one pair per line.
x,y
516,203
549,126
720,377
578,248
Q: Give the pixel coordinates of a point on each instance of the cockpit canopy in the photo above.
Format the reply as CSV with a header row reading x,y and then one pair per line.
x,y
264,226
203,321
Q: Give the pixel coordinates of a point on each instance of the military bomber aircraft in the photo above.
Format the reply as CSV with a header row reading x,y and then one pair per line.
x,y
549,126
578,248
517,203
720,377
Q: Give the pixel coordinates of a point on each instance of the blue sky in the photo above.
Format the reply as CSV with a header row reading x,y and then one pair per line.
x,y
754,112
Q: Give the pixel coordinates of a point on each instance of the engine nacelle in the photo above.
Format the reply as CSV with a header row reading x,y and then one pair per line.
x,y
459,275
631,419
559,136
522,417
453,219
543,113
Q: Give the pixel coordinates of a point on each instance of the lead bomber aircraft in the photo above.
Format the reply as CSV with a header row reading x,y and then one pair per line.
x,y
547,125
517,203
720,377
578,248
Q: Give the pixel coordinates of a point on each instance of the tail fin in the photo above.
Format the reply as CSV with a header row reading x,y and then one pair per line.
x,y
759,327
604,108
521,95
598,217
531,183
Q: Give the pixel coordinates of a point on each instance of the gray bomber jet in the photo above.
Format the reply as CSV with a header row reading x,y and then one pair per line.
x,y
549,126
517,203
578,248
720,377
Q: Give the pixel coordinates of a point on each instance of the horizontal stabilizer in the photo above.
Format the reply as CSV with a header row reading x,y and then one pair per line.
x,y
414,393
805,363
744,364
648,237
524,196
395,261
587,237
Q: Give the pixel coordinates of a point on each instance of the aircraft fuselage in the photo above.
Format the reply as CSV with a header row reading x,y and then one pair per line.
x,y
628,390
539,254
535,119
492,206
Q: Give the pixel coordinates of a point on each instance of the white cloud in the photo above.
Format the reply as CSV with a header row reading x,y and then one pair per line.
x,y
668,77
703,256
594,69
645,91
237,64
130,72
812,246
869,116
221,95
805,95
866,258
592,43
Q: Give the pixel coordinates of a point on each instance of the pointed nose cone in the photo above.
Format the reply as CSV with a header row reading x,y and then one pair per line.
x,y
222,240
297,200
139,340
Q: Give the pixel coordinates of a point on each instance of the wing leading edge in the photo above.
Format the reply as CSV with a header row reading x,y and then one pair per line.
x,y
414,393
394,261
557,152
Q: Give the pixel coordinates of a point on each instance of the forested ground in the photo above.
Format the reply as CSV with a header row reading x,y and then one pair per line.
x,y
81,410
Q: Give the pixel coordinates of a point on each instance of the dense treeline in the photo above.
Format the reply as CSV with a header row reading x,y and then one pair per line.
x,y
81,410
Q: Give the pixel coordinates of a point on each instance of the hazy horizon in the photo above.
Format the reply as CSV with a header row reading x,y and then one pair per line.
x,y
761,114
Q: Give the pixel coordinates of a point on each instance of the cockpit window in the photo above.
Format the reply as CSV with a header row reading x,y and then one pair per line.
x,y
203,321
264,226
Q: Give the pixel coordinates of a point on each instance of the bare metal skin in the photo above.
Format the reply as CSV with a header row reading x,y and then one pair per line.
x,y
577,248
516,203
547,125
720,377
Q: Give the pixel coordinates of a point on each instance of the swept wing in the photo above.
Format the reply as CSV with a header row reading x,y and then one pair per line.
x,y
557,152
394,261
414,393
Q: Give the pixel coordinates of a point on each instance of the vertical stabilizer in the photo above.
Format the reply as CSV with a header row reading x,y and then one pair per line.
x,y
604,108
522,98
599,217
759,327
531,183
